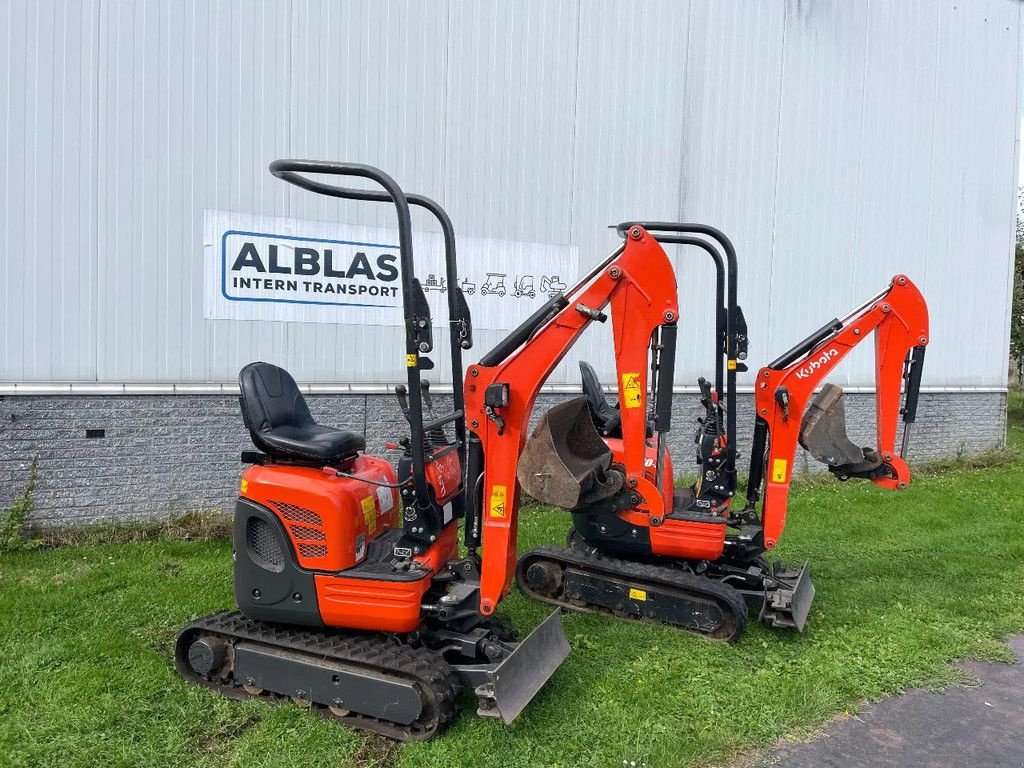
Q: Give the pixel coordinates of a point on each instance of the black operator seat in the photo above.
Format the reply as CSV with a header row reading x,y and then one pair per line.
x,y
278,419
605,415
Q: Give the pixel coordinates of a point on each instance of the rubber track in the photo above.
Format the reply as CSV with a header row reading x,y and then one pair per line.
x,y
728,598
439,686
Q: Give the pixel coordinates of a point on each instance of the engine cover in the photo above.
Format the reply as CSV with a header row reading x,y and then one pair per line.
x,y
329,520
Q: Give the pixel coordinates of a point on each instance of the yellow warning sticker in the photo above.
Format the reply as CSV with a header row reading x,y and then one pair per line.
x,y
498,499
410,360
370,514
637,594
244,487
779,470
631,390
732,364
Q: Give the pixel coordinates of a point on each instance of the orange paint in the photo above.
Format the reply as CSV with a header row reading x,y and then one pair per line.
x,y
323,514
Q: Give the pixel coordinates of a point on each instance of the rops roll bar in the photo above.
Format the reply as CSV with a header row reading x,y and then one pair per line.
x,y
459,322
735,347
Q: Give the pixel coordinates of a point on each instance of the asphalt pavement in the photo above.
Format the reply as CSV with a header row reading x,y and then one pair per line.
x,y
961,727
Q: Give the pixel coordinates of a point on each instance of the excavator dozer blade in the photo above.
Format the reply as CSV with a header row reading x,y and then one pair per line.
x,y
565,462
516,680
823,430
788,601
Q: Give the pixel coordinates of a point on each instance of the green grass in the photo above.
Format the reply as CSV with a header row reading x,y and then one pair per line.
x,y
906,583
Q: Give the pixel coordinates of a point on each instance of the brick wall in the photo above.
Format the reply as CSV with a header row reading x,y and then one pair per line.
x,y
162,455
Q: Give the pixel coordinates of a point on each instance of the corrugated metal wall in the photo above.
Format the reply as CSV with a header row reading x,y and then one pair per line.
x,y
837,142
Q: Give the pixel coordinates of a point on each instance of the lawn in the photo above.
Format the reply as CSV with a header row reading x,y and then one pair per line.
x,y
906,583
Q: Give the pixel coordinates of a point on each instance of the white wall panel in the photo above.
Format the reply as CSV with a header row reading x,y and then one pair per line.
x,y
509,124
893,115
192,102
730,148
48,190
368,85
627,154
836,142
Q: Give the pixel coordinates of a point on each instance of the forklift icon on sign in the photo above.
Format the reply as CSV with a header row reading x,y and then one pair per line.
x,y
495,283
467,287
524,287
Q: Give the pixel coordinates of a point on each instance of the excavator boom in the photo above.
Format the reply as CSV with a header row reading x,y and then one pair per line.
x,y
638,281
899,319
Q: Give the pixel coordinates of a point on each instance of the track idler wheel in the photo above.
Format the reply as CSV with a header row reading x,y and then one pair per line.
x,y
207,654
545,578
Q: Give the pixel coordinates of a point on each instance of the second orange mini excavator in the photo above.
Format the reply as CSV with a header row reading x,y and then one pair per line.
x,y
641,548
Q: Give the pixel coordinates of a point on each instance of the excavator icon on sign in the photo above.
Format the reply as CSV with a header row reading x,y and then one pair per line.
x,y
552,285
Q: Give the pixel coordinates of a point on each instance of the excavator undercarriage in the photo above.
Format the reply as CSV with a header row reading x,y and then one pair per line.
x,y
404,687
706,598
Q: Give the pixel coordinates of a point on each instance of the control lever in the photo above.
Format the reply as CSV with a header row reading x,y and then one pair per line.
x,y
712,408
436,436
427,399
402,393
705,392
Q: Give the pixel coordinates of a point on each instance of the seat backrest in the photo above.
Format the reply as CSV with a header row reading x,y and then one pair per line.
x,y
270,399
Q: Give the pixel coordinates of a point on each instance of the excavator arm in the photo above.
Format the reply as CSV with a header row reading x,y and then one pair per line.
x,y
899,319
638,282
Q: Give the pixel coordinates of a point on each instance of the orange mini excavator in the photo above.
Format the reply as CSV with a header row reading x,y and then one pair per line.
x,y
640,548
352,597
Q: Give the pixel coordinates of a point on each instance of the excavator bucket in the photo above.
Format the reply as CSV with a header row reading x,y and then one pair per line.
x,y
823,430
516,680
565,462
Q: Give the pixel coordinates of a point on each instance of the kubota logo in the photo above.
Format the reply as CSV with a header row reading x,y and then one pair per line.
x,y
816,363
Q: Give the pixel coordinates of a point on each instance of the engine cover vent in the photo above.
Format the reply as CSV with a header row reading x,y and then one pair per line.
x,y
297,514
264,544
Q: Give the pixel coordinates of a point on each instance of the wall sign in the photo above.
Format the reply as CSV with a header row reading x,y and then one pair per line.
x,y
281,269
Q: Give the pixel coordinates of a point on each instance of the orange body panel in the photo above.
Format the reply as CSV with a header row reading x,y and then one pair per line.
x,y
685,539
330,520
386,606
445,475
